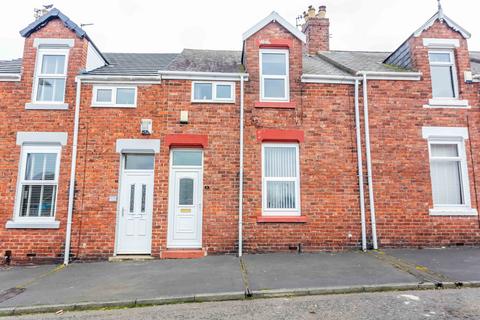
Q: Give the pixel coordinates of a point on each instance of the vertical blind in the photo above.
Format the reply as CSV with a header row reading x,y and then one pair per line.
x,y
280,170
446,174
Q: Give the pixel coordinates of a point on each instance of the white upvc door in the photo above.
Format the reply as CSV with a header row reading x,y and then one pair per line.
x,y
135,212
185,204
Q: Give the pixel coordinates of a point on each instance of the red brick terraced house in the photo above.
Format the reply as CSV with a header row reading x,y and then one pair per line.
x,y
285,145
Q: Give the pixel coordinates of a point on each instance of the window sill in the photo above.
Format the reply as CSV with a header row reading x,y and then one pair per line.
x,y
282,219
114,106
274,104
213,101
453,212
447,103
46,106
32,224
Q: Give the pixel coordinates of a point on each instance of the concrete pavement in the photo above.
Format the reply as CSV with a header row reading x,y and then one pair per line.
x,y
86,285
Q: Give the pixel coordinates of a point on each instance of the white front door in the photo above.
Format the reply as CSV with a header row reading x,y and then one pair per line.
x,y
134,235
185,207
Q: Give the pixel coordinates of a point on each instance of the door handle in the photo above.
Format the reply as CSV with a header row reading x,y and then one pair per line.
x,y
123,212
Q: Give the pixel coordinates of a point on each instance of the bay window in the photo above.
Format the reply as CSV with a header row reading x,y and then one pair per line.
x,y
274,78
280,179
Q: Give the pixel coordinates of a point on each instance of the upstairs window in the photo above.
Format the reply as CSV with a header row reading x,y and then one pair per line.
x,y
280,179
444,74
213,92
114,97
50,76
274,80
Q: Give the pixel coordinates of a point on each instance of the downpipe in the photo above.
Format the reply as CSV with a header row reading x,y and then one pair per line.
x,y
71,190
369,163
360,167
240,173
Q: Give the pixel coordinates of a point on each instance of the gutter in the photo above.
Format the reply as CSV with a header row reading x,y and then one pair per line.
x,y
240,174
118,79
194,75
10,77
71,189
318,78
380,75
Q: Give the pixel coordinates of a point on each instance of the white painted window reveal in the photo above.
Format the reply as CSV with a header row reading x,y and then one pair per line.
x,y
223,92
274,75
280,179
114,96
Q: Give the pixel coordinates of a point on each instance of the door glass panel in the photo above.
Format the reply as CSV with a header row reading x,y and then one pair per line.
x,y
187,158
139,161
185,193
132,197
144,191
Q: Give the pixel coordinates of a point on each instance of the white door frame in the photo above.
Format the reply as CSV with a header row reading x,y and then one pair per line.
x,y
119,200
171,198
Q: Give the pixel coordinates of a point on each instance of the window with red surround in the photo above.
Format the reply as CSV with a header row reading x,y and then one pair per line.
x,y
186,140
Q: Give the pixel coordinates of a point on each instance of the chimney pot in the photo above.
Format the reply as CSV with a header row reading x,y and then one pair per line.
x,y
322,12
311,12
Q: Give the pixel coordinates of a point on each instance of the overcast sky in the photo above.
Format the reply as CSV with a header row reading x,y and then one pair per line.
x,y
169,26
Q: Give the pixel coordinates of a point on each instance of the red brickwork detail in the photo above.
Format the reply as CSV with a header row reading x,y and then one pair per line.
x,y
186,140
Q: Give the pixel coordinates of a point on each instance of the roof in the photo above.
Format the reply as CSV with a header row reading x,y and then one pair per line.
x,y
207,61
401,57
275,17
355,61
475,62
57,14
135,64
11,66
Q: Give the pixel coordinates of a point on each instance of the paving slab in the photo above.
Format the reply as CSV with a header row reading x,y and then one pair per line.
x,y
283,271
112,281
13,276
461,263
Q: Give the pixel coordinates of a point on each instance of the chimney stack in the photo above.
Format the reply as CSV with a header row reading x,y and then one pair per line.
x,y
317,30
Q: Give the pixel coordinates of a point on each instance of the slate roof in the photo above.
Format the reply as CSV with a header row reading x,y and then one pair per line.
x,y
135,64
207,61
475,62
354,61
337,63
11,66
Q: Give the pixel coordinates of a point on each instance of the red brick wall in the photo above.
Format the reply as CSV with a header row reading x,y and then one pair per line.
x,y
401,169
328,163
14,118
98,166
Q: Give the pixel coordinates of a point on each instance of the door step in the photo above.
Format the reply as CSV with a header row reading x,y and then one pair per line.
x,y
132,257
183,254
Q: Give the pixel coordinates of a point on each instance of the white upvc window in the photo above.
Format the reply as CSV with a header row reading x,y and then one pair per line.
x,y
50,76
280,179
444,74
207,91
114,96
38,183
449,171
274,75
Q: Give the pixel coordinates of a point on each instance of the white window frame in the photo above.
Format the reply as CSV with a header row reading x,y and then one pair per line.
x,y
26,149
113,103
457,136
286,97
214,92
454,73
295,212
38,67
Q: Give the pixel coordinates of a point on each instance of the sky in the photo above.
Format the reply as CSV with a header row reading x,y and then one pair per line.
x,y
170,26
